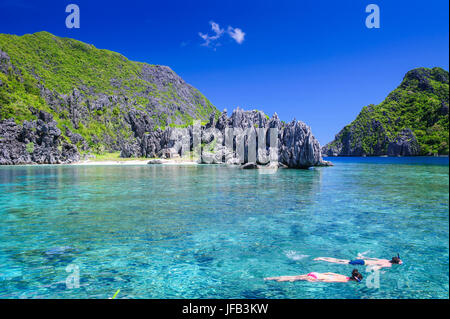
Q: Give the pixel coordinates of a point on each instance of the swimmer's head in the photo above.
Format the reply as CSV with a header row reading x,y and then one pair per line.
x,y
356,276
396,260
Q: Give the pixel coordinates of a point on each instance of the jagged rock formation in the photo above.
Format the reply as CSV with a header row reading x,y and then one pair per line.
x,y
405,144
60,98
293,144
37,141
412,120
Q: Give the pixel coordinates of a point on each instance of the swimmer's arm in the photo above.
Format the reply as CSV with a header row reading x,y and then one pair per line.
x,y
337,278
333,260
382,263
375,259
378,264
288,278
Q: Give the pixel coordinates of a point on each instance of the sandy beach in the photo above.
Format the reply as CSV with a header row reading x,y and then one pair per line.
x,y
136,162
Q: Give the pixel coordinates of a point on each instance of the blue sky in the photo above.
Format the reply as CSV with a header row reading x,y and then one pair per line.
x,y
312,60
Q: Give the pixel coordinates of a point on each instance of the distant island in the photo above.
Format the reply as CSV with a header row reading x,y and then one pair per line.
x,y
411,121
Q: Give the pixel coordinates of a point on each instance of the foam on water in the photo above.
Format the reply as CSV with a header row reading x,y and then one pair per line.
x,y
291,254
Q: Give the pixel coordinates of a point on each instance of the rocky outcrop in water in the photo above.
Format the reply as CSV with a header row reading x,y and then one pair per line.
x,y
244,137
34,142
411,121
255,138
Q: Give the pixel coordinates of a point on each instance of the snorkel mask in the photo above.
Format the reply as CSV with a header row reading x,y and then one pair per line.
x,y
356,278
396,260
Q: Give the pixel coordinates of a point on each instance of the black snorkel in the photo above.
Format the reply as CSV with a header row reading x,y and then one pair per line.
x,y
396,260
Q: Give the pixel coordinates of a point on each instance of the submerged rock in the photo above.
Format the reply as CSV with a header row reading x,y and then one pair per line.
x,y
59,251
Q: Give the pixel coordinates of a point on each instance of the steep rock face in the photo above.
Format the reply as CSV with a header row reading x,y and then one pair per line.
x,y
108,100
405,144
346,144
229,140
35,142
299,148
412,120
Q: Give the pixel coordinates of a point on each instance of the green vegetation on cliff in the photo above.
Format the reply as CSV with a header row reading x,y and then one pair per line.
x,y
419,104
91,91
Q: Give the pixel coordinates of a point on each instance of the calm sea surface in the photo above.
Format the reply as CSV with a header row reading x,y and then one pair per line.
x,y
216,232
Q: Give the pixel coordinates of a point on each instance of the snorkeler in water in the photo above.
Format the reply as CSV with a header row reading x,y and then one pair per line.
x,y
362,260
321,277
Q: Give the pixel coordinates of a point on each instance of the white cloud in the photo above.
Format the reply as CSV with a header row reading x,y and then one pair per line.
x,y
216,28
237,34
212,40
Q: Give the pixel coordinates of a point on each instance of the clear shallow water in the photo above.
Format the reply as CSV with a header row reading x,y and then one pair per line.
x,y
216,232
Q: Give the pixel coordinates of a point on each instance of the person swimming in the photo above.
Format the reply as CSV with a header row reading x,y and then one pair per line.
x,y
362,260
321,277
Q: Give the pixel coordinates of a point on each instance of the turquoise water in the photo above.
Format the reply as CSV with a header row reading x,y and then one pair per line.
x,y
216,232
